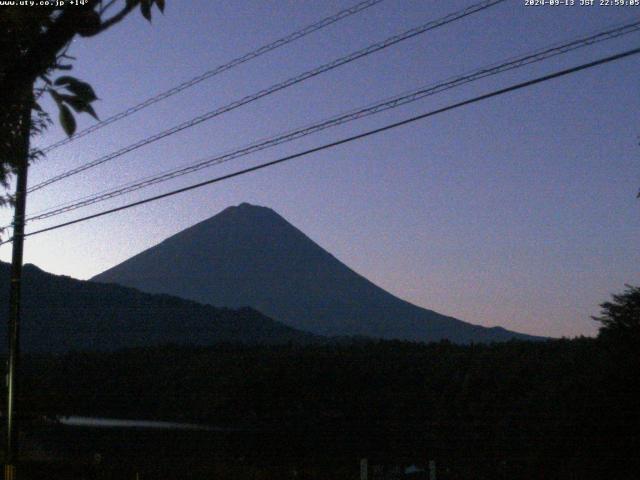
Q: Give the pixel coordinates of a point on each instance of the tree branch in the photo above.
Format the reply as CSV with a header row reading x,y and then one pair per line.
x,y
115,19
106,7
46,48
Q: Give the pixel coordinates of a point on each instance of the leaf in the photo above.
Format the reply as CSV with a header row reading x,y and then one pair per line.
x,y
79,105
145,8
83,90
67,121
160,4
65,79
55,95
77,87
89,109
36,106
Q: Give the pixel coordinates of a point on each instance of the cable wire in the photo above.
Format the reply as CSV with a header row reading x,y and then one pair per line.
x,y
342,141
494,69
277,87
325,22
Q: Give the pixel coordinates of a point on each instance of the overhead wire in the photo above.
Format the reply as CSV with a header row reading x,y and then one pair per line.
x,y
452,17
325,22
349,139
390,103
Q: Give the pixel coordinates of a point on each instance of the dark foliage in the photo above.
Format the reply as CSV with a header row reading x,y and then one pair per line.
x,y
34,40
558,409
620,319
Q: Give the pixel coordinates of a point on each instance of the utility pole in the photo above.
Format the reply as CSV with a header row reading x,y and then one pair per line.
x,y
11,454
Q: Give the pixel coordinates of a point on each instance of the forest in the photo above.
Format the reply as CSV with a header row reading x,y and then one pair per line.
x,y
555,409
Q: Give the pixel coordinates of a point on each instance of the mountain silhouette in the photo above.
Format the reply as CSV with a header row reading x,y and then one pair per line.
x,y
60,314
250,256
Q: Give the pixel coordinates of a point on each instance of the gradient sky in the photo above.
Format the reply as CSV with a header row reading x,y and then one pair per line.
x,y
518,211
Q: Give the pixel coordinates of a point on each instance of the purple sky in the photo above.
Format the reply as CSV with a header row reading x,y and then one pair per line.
x,y
518,211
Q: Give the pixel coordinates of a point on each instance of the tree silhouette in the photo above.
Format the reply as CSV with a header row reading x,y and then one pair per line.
x,y
33,47
620,318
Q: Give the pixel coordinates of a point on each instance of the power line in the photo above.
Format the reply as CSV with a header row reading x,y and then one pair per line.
x,y
368,133
509,64
325,22
277,87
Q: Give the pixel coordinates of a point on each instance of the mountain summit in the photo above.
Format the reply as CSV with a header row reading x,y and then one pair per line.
x,y
251,256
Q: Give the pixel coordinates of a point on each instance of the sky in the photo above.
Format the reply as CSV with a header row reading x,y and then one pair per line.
x,y
518,211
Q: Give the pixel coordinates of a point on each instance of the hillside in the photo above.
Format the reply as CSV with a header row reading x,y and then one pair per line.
x,y
60,313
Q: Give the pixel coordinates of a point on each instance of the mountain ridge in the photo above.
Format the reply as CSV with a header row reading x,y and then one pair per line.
x,y
60,313
250,255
